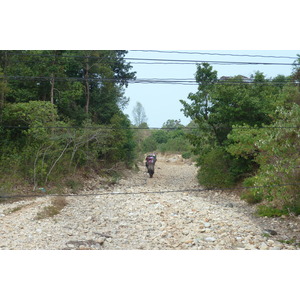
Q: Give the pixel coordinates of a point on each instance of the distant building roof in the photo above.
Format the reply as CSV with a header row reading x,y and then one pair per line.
x,y
244,78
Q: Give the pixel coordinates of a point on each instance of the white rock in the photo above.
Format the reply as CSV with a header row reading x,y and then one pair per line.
x,y
160,221
263,246
210,239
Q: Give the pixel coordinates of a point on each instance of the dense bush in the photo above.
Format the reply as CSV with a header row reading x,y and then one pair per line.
x,y
275,149
149,144
248,133
170,138
46,150
39,144
214,169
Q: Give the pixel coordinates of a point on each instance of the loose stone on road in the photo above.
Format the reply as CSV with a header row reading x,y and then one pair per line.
x,y
145,213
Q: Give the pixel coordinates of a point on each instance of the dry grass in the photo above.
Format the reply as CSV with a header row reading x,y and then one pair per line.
x,y
57,204
15,209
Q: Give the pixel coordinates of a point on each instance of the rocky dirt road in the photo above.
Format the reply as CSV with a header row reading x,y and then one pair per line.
x,y
143,213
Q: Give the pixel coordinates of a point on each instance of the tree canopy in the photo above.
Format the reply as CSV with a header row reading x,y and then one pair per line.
x,y
82,84
139,115
234,117
61,110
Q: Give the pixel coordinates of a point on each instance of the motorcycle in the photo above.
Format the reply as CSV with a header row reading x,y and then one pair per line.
x,y
150,168
150,165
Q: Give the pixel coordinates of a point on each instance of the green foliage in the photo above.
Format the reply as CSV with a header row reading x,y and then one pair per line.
x,y
218,111
43,155
69,79
160,136
186,155
273,211
214,169
278,158
242,141
38,145
175,144
251,195
171,138
121,142
200,101
172,124
26,137
149,144
268,211
31,117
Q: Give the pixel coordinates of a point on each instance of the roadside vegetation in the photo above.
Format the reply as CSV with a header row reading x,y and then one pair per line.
x,y
248,136
170,138
61,117
61,120
57,204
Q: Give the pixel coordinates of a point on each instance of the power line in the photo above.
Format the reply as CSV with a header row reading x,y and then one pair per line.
x,y
220,54
180,61
156,60
150,51
179,81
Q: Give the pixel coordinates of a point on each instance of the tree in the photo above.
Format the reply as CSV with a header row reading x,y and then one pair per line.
x,y
173,124
296,70
103,75
83,84
218,106
199,108
3,91
139,115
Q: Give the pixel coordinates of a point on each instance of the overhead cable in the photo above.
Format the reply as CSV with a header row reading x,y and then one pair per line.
x,y
187,81
219,54
155,60
164,60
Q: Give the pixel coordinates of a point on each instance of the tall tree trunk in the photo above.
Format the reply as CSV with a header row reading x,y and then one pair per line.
x,y
4,84
52,88
52,80
2,99
87,89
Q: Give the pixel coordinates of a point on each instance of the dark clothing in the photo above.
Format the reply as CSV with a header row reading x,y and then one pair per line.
x,y
150,159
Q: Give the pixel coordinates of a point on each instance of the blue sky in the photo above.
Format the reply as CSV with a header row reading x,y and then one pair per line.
x,y
161,101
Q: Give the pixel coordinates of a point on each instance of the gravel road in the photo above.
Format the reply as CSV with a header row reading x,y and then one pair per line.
x,y
143,213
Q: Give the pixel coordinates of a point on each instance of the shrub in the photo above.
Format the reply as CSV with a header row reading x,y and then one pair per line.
x,y
275,151
269,211
186,155
149,144
42,150
251,195
215,169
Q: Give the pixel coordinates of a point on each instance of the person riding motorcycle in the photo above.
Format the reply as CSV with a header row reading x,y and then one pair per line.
x,y
150,157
